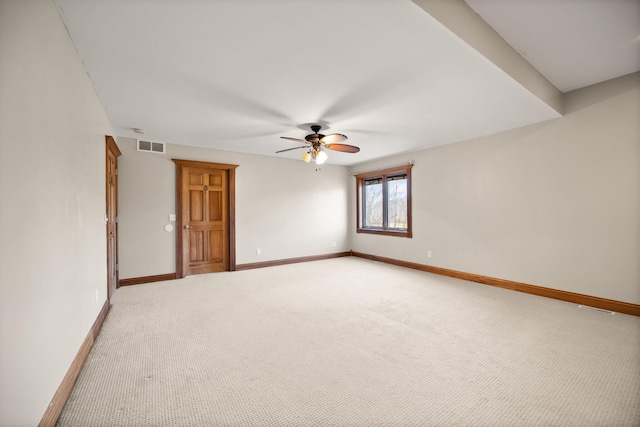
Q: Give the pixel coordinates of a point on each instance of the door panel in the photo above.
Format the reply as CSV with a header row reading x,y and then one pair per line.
x,y
216,207
196,207
204,240
196,246
216,244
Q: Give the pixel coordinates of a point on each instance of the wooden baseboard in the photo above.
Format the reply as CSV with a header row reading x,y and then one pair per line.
x,y
147,279
54,409
290,261
591,301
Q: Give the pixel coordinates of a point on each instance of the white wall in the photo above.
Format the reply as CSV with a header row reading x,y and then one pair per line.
x,y
556,204
285,208
52,244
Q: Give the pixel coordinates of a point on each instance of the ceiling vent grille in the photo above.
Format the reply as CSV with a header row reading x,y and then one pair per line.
x,y
151,147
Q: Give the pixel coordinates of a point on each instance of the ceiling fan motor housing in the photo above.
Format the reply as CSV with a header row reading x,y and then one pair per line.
x,y
314,137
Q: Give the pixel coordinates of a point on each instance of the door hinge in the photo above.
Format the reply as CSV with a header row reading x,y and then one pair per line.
x,y
117,267
116,172
117,220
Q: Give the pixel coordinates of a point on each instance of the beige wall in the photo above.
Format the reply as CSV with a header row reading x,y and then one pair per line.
x,y
52,228
556,204
285,208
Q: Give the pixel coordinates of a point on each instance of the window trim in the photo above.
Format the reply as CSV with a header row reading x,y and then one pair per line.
x,y
383,174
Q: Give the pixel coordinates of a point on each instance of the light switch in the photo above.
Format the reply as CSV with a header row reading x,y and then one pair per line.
x,y
172,217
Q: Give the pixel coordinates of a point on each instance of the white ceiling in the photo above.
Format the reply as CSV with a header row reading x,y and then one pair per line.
x,y
236,75
574,43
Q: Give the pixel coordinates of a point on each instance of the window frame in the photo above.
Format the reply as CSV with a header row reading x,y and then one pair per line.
x,y
383,175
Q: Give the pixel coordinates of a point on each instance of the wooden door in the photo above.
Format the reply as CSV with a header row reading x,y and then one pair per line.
x,y
111,216
205,218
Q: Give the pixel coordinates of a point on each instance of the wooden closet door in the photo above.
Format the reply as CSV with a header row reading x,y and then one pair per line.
x,y
204,218
112,154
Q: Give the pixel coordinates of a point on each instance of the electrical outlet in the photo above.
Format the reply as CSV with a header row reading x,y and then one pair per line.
x,y
428,254
333,244
258,251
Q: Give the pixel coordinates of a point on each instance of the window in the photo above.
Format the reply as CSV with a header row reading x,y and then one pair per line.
x,y
384,202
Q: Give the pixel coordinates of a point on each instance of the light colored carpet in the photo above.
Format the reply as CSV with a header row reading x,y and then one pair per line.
x,y
351,342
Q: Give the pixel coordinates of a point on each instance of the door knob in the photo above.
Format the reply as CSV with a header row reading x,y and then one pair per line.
x,y
186,227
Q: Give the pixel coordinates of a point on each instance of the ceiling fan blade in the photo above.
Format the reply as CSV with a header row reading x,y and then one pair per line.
x,y
334,137
289,149
295,139
343,147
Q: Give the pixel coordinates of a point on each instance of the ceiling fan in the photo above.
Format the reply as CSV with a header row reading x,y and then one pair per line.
x,y
315,142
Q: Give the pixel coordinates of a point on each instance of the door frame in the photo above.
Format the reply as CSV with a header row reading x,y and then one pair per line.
x,y
231,203
111,147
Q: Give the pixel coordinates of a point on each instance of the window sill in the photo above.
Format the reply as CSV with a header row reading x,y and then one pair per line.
x,y
406,234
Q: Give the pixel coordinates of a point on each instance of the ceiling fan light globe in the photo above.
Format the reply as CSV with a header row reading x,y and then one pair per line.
x,y
306,157
321,157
